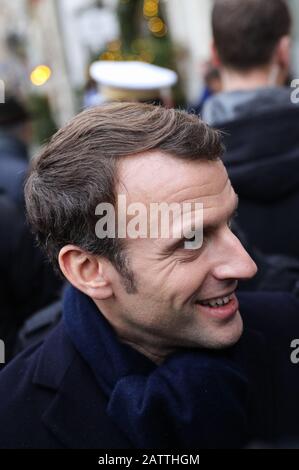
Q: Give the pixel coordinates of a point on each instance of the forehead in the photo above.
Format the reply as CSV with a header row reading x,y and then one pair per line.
x,y
158,177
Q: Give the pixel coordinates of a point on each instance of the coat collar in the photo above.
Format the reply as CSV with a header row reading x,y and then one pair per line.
x,y
76,414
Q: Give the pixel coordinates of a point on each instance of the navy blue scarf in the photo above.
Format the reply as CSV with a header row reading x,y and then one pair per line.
x,y
195,399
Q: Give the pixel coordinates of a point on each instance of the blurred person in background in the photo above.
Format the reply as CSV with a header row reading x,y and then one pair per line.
x,y
92,95
212,85
134,81
252,41
27,281
15,137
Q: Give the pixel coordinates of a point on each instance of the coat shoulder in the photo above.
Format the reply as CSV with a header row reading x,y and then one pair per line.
x,y
25,395
49,399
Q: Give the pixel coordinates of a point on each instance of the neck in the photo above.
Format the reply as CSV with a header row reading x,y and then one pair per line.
x,y
250,80
145,342
156,355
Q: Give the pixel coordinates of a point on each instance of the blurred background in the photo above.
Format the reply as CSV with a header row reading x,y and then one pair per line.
x,y
47,46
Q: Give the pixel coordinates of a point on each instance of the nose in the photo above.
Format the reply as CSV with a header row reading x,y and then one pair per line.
x,y
233,260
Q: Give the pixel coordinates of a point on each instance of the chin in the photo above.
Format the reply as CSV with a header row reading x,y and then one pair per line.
x,y
213,336
228,335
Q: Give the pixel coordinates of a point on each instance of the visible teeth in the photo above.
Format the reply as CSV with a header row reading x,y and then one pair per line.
x,y
218,302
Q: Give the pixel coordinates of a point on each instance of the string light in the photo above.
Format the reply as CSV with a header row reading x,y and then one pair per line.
x,y
140,50
147,56
155,25
150,8
162,32
107,56
114,46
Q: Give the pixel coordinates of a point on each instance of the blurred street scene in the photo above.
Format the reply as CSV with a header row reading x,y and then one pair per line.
x,y
47,46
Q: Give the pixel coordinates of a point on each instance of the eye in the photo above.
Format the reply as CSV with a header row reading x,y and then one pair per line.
x,y
181,244
192,239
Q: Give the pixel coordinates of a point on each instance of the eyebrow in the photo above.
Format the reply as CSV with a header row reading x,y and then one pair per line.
x,y
232,214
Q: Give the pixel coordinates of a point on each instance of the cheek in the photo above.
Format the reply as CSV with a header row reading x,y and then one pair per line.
x,y
185,281
173,280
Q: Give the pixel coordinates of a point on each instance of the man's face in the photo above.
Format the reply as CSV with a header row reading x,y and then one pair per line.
x,y
173,282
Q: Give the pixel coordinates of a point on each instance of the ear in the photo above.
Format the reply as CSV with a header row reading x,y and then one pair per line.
x,y
215,59
283,53
86,272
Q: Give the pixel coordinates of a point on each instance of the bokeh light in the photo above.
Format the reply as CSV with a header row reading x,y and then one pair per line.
x,y
150,8
40,75
157,26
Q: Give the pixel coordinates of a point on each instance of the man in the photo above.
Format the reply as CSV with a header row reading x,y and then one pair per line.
x,y
212,85
15,135
150,351
252,42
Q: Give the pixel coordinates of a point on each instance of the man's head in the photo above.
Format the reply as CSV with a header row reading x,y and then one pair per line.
x,y
213,80
150,289
252,34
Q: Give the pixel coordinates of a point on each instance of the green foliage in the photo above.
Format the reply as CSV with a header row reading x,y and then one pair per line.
x,y
42,121
137,41
129,12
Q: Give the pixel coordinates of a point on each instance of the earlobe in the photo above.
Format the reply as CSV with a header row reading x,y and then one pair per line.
x,y
215,56
85,271
284,51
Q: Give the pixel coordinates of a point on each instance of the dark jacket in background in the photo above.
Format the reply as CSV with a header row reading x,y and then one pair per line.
x,y
262,158
50,398
13,166
276,273
27,281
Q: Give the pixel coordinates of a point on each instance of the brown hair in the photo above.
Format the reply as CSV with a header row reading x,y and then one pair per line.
x,y
246,32
77,170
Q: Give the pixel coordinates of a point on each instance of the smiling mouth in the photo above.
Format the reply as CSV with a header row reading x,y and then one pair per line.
x,y
217,301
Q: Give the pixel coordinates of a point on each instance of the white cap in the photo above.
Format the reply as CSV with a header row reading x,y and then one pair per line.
x,y
131,79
